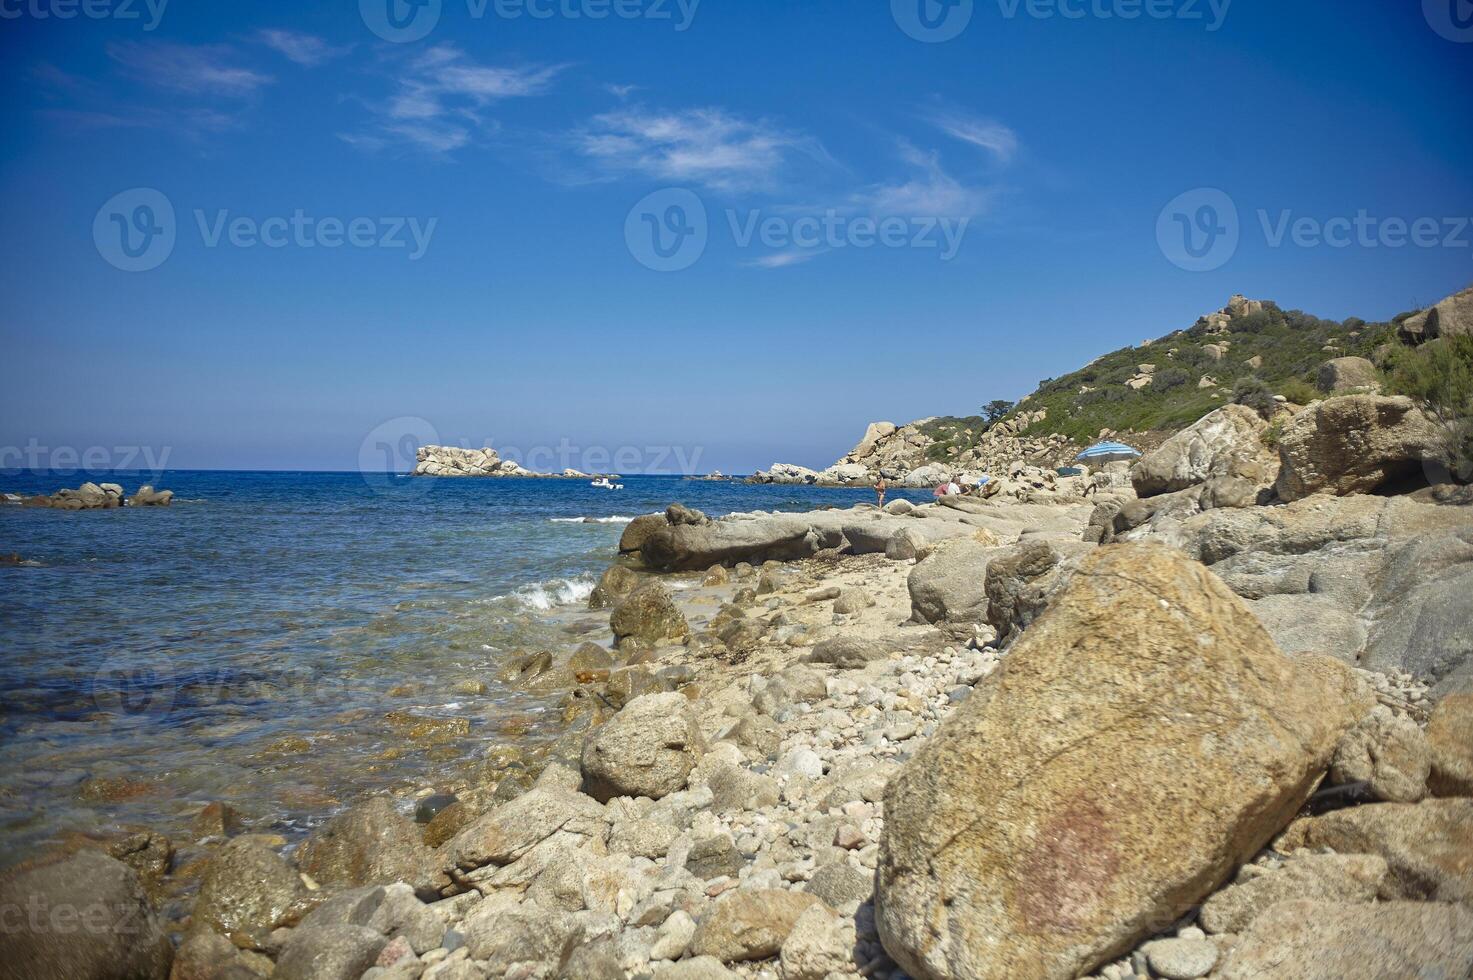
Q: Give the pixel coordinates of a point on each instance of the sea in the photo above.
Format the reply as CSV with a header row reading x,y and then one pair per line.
x,y
254,642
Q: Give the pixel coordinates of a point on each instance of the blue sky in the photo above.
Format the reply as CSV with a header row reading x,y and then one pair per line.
x,y
1044,139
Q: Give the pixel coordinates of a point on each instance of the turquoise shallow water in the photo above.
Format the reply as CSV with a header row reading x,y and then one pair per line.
x,y
246,643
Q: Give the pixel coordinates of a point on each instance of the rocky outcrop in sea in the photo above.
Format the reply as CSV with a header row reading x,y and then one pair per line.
x,y
453,461
94,496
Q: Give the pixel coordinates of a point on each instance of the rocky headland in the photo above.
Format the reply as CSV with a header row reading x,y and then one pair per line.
x,y
1211,717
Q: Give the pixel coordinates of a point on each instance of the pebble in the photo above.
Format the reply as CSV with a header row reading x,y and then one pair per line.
x,y
1181,959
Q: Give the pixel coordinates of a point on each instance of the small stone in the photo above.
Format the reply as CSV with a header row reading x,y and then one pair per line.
x,y
801,762
1181,959
674,937
397,949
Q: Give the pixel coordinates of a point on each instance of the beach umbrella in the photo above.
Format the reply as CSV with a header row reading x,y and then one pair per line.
x,y
1108,452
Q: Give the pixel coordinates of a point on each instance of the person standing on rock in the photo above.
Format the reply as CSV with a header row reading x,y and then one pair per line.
x,y
880,489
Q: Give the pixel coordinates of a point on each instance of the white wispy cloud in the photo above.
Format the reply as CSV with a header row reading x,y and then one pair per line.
x,y
929,191
621,91
781,260
306,50
708,146
196,69
441,97
987,134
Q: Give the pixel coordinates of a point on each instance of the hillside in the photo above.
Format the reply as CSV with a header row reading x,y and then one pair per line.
x,y
1165,384
1251,352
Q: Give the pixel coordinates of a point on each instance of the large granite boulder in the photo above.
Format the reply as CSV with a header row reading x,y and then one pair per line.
x,y
1306,623
1141,740
1222,443
1354,444
1310,940
510,831
1450,739
614,584
785,473
82,917
846,473
688,547
647,749
649,615
1386,752
639,530
1022,579
1342,374
1452,317
1422,606
371,844
1428,846
950,585
341,951
1323,877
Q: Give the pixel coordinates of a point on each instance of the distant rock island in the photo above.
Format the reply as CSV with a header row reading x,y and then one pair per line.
x,y
94,496
454,461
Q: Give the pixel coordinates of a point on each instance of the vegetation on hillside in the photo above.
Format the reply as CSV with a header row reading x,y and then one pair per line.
x,y
1291,345
952,434
1439,374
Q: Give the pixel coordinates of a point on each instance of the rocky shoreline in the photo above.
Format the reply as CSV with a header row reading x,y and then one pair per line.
x,y
1216,723
1207,715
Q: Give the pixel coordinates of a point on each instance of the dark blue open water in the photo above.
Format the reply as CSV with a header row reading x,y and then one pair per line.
x,y
156,658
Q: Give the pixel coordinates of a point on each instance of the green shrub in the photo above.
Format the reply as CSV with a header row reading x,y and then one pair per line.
x,y
1273,433
1299,391
1170,378
1253,393
1439,375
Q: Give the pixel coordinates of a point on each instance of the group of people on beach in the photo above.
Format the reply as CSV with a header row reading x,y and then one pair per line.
x,y
954,486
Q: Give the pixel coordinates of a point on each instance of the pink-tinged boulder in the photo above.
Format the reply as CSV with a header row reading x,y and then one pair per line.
x,y
1142,739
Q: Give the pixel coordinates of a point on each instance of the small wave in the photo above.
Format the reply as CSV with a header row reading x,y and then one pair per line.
x,y
616,519
548,595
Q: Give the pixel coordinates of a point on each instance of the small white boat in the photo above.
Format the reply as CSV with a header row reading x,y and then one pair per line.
x,y
603,483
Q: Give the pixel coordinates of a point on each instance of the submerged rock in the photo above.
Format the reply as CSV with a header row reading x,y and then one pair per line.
x,y
648,615
247,891
371,844
84,917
